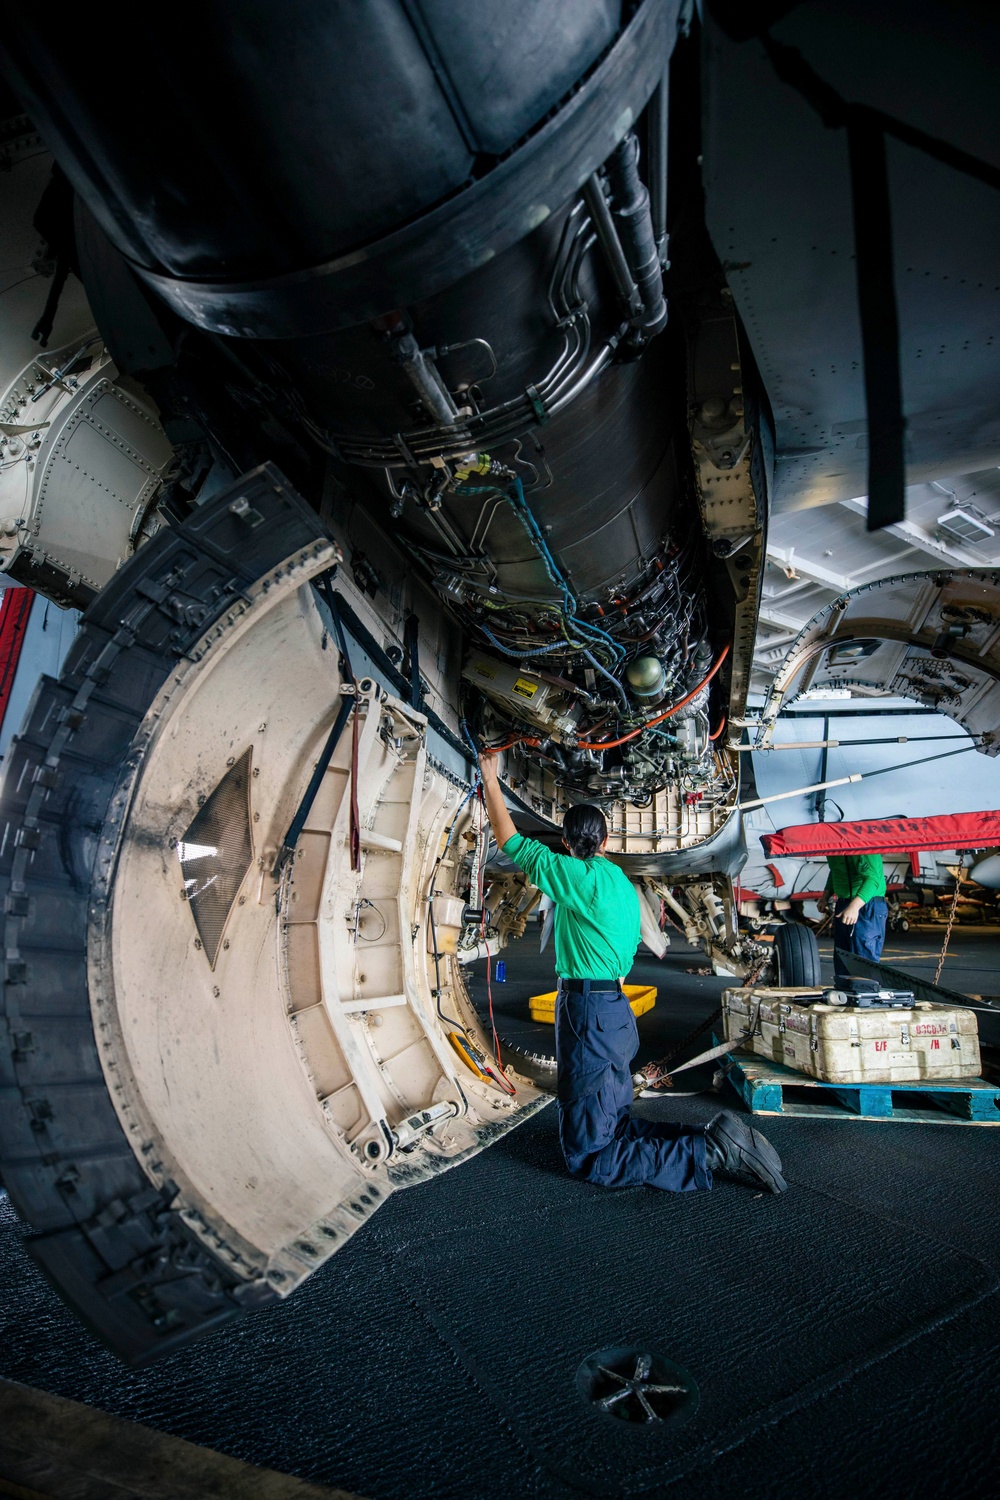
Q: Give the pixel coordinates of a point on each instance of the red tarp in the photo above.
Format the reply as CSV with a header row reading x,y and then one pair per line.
x,y
974,830
15,607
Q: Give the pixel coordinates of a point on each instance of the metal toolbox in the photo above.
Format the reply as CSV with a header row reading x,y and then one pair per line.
x,y
849,1044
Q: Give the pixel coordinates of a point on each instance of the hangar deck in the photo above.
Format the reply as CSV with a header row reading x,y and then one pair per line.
x,y
842,1337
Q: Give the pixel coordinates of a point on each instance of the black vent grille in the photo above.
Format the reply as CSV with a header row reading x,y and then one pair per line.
x,y
215,854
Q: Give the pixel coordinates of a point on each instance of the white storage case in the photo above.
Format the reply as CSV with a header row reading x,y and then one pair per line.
x,y
852,1044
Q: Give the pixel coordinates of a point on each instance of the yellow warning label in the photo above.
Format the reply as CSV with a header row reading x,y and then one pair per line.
x,y
524,688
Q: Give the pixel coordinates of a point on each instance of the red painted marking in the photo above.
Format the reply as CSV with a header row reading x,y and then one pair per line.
x,y
881,1046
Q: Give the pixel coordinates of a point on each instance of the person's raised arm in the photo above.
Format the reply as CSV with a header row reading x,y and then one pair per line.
x,y
496,810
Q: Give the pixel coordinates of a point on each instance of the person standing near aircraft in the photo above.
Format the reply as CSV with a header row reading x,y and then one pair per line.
x,y
857,884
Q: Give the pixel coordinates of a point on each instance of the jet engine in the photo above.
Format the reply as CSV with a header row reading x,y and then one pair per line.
x,y
407,413
418,263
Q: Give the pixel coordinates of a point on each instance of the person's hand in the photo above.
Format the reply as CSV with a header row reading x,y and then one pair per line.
x,y
496,809
488,767
850,913
824,904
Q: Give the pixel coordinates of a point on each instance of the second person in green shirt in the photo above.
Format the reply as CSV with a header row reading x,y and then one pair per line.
x,y
857,884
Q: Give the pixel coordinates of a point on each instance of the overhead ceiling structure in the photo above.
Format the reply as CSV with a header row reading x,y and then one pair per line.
x,y
933,637
816,556
782,85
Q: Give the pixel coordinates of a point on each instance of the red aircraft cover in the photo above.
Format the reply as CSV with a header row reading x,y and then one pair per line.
x,y
15,607
973,830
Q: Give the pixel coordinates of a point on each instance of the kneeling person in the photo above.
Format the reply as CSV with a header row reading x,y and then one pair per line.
x,y
596,937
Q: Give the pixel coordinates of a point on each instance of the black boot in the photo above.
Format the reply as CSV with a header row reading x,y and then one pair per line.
x,y
735,1149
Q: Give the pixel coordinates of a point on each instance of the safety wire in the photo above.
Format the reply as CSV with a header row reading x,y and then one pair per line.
x,y
358,934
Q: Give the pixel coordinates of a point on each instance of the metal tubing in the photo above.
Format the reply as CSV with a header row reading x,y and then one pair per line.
x,y
429,385
631,210
658,166
597,207
895,739
801,791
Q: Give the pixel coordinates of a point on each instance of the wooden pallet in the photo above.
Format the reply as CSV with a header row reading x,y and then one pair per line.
x,y
767,1088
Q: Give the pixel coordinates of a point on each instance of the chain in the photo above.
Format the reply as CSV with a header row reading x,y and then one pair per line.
x,y
951,923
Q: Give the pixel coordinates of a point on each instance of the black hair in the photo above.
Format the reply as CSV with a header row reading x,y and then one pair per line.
x,y
584,829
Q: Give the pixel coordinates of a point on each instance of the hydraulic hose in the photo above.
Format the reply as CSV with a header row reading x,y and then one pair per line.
x,y
523,512
613,680
519,739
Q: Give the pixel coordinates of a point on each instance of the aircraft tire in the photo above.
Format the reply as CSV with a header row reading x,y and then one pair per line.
x,y
796,956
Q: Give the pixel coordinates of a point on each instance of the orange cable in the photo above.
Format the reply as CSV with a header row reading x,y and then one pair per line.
x,y
520,739
611,744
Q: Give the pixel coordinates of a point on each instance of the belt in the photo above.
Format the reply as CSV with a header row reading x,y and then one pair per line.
x,y
588,986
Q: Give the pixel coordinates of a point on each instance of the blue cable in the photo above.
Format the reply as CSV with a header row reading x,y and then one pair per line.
x,y
454,822
467,736
613,680
531,526
507,651
569,603
476,778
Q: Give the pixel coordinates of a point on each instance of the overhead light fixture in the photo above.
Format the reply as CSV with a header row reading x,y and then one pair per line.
x,y
965,526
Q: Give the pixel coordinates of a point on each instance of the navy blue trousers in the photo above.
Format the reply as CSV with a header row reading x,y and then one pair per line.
x,y
866,937
602,1141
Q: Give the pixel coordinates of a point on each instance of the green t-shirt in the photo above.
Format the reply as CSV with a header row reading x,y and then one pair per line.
x,y
861,875
597,909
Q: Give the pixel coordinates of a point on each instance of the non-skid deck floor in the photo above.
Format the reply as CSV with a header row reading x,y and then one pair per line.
x,y
842,1337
